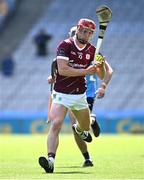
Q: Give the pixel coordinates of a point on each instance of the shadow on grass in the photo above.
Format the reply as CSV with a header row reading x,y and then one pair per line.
x,y
80,167
72,172
64,167
68,172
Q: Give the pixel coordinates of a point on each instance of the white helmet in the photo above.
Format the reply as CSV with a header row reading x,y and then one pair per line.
x,y
72,31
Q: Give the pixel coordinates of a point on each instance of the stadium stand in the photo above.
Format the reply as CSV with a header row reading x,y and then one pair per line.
x,y
27,89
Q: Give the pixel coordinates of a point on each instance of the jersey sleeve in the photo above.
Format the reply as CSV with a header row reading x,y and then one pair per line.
x,y
63,51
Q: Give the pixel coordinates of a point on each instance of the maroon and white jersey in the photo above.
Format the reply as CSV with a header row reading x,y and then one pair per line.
x,y
77,58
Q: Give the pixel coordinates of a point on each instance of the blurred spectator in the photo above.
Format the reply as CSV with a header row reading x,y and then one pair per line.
x,y
7,65
41,41
7,9
3,8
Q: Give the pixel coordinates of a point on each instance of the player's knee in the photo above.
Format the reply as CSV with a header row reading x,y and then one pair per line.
x,y
87,128
56,125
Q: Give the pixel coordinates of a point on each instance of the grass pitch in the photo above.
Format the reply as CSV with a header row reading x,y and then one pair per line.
x,y
114,157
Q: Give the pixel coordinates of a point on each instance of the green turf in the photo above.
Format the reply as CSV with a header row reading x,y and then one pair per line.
x,y
114,157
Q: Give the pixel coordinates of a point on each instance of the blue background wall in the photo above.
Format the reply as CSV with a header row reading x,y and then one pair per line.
x,y
35,122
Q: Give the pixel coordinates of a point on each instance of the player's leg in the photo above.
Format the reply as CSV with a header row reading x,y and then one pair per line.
x,y
58,113
83,118
83,124
81,144
94,124
84,150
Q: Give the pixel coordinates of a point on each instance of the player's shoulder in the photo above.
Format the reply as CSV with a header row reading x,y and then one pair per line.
x,y
66,41
91,45
69,40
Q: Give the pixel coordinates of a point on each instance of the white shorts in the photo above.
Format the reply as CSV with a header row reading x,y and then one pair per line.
x,y
71,101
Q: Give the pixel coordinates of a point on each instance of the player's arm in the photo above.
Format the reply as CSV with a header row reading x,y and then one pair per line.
x,y
101,90
65,70
51,78
109,72
100,71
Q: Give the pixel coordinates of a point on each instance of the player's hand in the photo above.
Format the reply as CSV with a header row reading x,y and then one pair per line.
x,y
100,93
50,80
91,70
101,90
